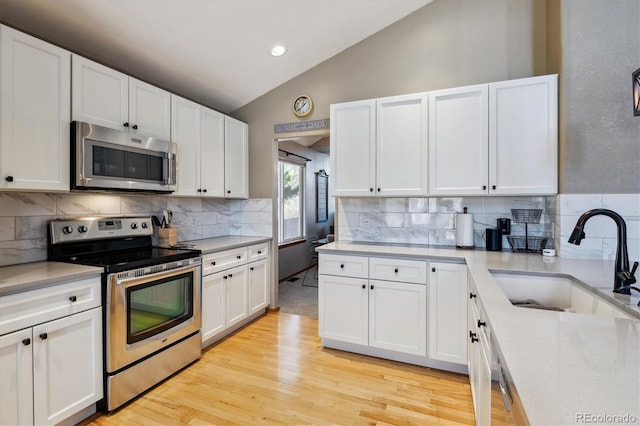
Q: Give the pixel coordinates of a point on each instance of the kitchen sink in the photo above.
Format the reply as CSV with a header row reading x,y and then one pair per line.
x,y
554,292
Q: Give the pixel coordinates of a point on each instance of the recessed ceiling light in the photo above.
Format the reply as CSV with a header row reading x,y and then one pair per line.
x,y
278,50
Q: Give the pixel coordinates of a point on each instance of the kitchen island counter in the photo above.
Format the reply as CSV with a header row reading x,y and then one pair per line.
x,y
566,367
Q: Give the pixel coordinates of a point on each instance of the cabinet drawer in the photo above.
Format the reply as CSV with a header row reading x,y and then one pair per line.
x,y
21,310
222,260
258,252
401,270
346,266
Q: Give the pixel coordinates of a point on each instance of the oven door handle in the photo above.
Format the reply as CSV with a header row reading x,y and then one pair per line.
x,y
127,282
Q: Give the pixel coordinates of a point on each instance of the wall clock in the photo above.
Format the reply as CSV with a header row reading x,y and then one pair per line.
x,y
302,106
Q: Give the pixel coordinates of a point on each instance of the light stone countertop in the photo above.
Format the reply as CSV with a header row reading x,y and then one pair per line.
x,y
29,276
562,364
212,245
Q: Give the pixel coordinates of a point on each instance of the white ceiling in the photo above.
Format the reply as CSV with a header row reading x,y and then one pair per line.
x,y
215,52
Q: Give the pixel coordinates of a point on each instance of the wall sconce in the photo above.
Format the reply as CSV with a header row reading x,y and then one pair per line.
x,y
635,76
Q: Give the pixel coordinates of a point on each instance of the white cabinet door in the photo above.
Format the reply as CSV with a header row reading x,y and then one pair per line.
x,y
149,110
35,99
401,145
185,132
236,283
67,366
343,309
16,385
212,153
523,136
236,158
258,285
352,146
213,305
397,316
459,141
100,95
448,312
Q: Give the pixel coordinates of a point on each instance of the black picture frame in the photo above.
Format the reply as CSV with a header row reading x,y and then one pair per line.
x,y
635,76
322,196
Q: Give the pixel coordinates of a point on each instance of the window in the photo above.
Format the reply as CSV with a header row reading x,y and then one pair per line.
x,y
291,201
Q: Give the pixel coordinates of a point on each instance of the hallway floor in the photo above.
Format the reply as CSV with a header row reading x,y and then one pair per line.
x,y
299,295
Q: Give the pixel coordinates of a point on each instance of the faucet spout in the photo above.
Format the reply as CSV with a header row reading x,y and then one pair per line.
x,y
622,255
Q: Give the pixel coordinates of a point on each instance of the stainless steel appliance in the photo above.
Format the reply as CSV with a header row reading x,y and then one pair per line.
x,y
108,159
150,296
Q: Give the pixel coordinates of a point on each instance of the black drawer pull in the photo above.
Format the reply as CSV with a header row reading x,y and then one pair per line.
x,y
44,336
473,336
26,342
482,323
73,299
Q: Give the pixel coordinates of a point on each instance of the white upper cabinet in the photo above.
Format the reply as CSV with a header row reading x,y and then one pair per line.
x,y
213,151
495,139
459,141
34,113
401,145
379,147
523,136
109,98
352,147
236,158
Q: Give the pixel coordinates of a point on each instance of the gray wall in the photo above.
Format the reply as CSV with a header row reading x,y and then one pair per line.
x,y
447,43
599,44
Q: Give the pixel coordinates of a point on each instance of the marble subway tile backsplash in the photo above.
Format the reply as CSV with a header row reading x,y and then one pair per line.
x,y
600,231
24,217
432,220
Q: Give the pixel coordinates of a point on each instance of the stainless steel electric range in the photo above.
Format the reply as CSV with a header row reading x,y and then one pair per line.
x,y
150,297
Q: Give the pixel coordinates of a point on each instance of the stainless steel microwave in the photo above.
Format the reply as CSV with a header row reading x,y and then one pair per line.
x,y
109,159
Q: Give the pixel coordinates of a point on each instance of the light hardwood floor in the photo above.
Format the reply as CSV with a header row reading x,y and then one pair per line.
x,y
275,372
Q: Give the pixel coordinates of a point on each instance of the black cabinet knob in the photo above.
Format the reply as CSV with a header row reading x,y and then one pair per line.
x,y
228,192
342,266
26,342
371,287
225,277
482,323
135,127
125,124
44,336
364,286
473,336
199,190
251,269
484,187
73,298
378,189
230,275
493,187
204,190
433,269
395,270
239,257
9,178
213,263
370,189
472,295
259,251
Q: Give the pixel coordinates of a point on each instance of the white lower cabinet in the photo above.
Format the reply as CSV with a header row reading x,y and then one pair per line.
x,y
376,313
479,359
51,370
448,312
233,291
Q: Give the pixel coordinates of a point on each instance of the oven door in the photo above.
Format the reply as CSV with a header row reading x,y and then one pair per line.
x,y
145,314
104,158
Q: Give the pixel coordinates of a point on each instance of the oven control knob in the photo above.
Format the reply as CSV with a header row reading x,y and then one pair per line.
x,y
67,229
144,225
134,225
82,229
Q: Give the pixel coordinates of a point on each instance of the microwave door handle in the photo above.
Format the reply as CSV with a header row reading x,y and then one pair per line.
x,y
171,169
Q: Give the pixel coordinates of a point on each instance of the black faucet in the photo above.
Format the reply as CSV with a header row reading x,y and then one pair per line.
x,y
623,278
